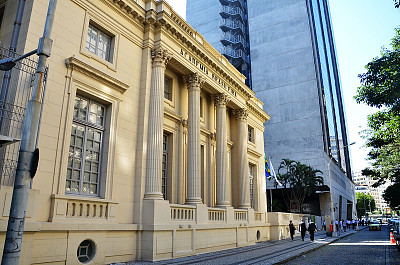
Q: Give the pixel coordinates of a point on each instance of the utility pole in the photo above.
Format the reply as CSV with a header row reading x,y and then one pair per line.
x,y
12,50
28,154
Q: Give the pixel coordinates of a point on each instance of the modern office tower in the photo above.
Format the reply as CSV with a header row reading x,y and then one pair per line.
x,y
294,72
226,28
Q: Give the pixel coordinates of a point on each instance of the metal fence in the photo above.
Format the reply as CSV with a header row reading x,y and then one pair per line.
x,y
15,91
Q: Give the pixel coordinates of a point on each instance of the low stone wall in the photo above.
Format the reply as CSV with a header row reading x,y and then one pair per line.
x,y
279,223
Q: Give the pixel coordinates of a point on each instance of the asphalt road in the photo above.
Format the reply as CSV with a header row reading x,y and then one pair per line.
x,y
364,247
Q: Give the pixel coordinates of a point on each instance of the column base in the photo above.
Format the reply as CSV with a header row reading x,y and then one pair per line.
x,y
244,206
223,204
153,196
193,201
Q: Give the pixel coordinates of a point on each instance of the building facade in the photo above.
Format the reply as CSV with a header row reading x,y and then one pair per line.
x,y
294,73
365,184
151,145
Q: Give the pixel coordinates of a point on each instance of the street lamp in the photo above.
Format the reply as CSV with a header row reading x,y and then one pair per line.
x,y
334,233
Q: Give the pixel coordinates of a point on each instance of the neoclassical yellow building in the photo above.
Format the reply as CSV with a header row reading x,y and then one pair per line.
x,y
151,144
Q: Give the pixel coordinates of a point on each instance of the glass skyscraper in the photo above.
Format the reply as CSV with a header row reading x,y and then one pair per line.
x,y
294,72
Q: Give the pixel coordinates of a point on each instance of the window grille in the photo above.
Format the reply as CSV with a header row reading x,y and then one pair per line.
x,y
84,157
167,88
99,43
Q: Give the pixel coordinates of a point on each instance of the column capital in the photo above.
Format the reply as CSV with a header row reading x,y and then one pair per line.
x,y
221,99
240,114
193,80
160,57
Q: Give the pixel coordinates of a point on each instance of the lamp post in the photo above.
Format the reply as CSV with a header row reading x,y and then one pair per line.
x,y
334,233
28,153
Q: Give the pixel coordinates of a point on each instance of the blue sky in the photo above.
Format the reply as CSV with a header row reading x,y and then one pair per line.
x,y
361,28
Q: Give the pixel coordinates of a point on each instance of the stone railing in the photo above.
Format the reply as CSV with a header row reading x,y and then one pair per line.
x,y
216,215
240,215
80,209
182,212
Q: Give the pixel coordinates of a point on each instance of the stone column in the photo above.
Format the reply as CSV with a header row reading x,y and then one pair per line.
x,y
222,152
193,82
160,58
243,163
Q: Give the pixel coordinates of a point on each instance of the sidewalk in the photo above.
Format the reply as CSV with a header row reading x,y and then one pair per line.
x,y
268,252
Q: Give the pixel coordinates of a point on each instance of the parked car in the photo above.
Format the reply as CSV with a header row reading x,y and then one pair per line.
x,y
374,225
396,232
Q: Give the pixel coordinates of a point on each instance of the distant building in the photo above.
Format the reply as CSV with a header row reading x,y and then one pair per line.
x,y
364,184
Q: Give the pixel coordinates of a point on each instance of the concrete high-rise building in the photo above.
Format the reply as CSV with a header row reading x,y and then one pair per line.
x,y
365,184
294,72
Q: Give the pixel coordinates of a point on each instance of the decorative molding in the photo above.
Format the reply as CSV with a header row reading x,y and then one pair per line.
x,y
73,63
257,111
194,80
253,152
221,99
240,114
172,116
160,57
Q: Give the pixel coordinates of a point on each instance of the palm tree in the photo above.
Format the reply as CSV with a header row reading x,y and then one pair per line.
x,y
299,181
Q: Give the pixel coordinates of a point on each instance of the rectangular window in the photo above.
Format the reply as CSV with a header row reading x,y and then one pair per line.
x,y
167,88
83,173
99,43
251,134
165,166
251,182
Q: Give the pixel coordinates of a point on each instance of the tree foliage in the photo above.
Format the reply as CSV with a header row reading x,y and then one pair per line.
x,y
365,203
299,181
396,3
392,196
380,88
380,85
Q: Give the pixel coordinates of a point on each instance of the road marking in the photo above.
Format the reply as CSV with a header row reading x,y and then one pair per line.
x,y
362,244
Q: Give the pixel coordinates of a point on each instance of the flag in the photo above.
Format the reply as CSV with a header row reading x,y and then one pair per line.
x,y
267,170
273,174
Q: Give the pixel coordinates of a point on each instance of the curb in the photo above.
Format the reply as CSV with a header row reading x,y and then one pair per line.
x,y
318,247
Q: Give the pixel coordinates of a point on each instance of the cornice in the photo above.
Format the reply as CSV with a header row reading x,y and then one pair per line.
x,y
132,10
257,111
73,63
195,43
181,31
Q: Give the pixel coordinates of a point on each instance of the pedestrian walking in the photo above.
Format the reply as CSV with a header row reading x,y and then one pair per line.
x,y
324,225
343,222
312,229
302,229
292,229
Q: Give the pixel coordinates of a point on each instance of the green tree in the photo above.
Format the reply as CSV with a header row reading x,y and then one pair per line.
x,y
299,181
365,203
391,195
396,3
380,88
